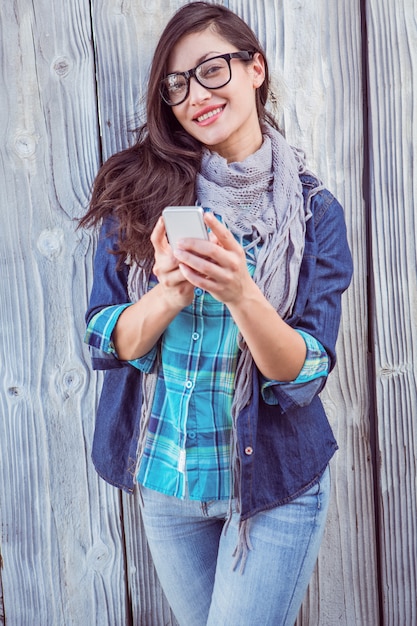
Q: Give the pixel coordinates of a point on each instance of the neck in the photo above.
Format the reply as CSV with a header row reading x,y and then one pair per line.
x,y
239,151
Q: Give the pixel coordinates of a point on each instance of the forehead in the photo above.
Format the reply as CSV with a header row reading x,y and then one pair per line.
x,y
195,47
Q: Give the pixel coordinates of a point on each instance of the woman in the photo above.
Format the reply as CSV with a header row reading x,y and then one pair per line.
x,y
216,350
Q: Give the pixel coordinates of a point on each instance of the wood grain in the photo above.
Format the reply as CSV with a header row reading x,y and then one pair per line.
x,y
62,557
392,36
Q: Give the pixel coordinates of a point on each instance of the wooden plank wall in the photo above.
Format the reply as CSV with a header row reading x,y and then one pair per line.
x,y
73,74
61,536
392,30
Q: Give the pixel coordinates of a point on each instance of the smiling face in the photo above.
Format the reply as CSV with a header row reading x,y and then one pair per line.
x,y
226,119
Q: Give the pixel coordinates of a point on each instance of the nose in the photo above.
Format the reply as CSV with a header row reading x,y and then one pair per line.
x,y
197,92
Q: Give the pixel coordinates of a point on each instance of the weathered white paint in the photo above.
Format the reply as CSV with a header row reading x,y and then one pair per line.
x,y
60,533
71,88
392,29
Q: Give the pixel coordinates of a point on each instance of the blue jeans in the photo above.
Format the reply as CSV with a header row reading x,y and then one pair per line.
x,y
193,557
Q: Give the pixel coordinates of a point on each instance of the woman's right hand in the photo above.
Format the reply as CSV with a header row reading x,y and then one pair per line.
x,y
178,291
140,325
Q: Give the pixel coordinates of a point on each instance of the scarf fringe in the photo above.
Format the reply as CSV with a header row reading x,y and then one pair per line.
x,y
244,546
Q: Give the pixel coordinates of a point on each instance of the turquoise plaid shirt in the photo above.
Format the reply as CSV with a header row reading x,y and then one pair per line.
x,y
187,452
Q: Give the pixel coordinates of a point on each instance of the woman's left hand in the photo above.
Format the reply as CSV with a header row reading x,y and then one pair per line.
x,y
218,265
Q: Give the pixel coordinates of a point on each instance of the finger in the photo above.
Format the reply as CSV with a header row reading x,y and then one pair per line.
x,y
219,230
213,238
204,256
193,276
171,277
214,264
158,235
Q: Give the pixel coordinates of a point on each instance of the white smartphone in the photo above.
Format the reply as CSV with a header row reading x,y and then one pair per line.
x,y
184,221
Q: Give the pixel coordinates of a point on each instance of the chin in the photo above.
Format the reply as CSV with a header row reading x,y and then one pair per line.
x,y
215,142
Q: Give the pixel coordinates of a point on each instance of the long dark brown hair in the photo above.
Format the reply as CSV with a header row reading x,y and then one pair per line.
x,y
134,185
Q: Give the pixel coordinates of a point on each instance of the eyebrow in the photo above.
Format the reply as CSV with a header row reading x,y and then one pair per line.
x,y
208,55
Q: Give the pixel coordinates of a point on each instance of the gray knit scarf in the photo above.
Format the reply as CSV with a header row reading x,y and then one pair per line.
x,y
259,199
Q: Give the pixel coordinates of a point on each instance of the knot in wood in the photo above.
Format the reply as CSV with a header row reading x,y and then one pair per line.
x,y
50,242
25,144
62,66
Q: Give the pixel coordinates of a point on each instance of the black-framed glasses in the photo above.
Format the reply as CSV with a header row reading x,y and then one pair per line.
x,y
212,73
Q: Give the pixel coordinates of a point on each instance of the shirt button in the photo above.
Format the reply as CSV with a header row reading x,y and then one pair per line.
x,y
189,384
192,435
198,291
248,450
195,336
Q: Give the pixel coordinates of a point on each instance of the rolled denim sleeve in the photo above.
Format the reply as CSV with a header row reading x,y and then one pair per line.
x,y
99,336
309,381
325,273
108,300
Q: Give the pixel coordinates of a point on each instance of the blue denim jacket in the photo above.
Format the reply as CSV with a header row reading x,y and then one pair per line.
x,y
282,448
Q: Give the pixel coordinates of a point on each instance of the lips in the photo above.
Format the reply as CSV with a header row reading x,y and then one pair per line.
x,y
208,114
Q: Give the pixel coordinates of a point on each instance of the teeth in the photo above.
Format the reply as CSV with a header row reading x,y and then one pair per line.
x,y
209,114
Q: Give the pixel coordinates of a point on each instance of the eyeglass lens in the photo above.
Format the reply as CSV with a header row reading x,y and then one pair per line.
x,y
213,74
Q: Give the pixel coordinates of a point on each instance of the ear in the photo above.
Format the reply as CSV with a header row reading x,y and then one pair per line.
x,y
258,69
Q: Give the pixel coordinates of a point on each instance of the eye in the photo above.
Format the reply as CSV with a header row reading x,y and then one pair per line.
x,y
211,69
175,83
